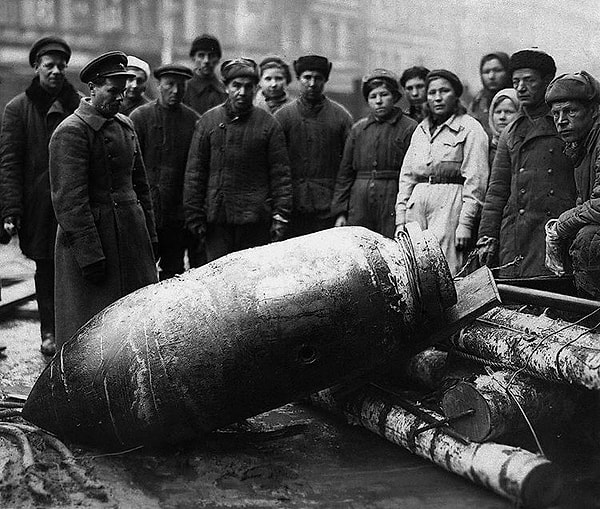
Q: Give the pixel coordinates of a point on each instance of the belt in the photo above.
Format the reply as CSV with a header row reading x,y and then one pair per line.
x,y
386,174
442,179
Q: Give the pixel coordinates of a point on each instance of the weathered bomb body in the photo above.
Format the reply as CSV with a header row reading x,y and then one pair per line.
x,y
246,333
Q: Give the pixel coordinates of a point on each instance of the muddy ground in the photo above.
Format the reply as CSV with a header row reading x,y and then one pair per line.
x,y
292,457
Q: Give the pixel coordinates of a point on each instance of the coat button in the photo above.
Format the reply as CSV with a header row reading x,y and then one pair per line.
x,y
551,151
374,163
549,171
522,190
521,170
522,211
106,140
551,192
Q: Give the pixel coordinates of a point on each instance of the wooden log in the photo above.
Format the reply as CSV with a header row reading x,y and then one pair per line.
x,y
543,347
427,368
514,473
496,399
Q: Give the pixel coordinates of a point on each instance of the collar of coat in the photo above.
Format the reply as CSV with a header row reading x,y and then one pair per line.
x,y
92,117
453,123
392,119
199,84
68,97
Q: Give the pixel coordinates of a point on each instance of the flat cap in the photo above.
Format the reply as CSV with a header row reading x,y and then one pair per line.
x,y
173,70
532,59
579,86
239,67
107,65
313,63
47,45
138,63
381,75
206,42
447,75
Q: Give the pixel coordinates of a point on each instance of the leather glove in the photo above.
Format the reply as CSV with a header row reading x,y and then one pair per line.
x,y
278,230
341,220
95,272
12,224
462,237
487,251
555,249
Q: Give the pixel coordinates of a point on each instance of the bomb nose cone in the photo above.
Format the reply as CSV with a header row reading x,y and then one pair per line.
x,y
40,407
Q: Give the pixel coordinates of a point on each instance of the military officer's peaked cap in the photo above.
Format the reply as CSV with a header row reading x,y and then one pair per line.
x,y
173,70
48,45
107,65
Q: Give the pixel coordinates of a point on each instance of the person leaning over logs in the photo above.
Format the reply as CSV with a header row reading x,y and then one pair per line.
x,y
367,183
101,199
136,85
531,180
165,128
315,129
29,121
574,101
237,189
445,171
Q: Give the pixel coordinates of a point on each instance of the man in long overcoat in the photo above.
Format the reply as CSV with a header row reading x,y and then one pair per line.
x,y
29,121
165,128
531,179
315,129
574,100
102,201
237,189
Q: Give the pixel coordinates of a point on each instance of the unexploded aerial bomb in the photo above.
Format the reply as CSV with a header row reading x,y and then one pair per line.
x,y
244,334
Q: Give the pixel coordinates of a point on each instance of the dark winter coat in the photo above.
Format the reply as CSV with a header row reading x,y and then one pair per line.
x,y
370,168
29,121
165,135
531,182
315,141
128,107
102,202
203,94
238,170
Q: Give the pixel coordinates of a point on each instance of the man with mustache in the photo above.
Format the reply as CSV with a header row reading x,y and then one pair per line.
x,y
531,180
165,127
237,189
101,199
574,101
29,121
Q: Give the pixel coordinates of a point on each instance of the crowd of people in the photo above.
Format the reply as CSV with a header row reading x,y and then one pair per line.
x,y
103,190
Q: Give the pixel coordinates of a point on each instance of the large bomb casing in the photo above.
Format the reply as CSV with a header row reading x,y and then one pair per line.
x,y
244,334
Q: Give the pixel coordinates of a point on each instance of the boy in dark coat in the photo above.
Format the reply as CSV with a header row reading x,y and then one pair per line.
x,y
29,121
315,129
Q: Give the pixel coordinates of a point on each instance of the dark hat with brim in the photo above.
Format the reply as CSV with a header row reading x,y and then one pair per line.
x,y
313,63
108,65
48,45
532,59
579,86
239,68
173,70
381,77
447,75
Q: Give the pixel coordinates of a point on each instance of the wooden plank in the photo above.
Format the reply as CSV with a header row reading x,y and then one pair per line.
x,y
16,294
477,293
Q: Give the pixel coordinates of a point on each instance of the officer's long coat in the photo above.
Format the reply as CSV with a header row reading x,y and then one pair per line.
x,y
102,202
531,182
